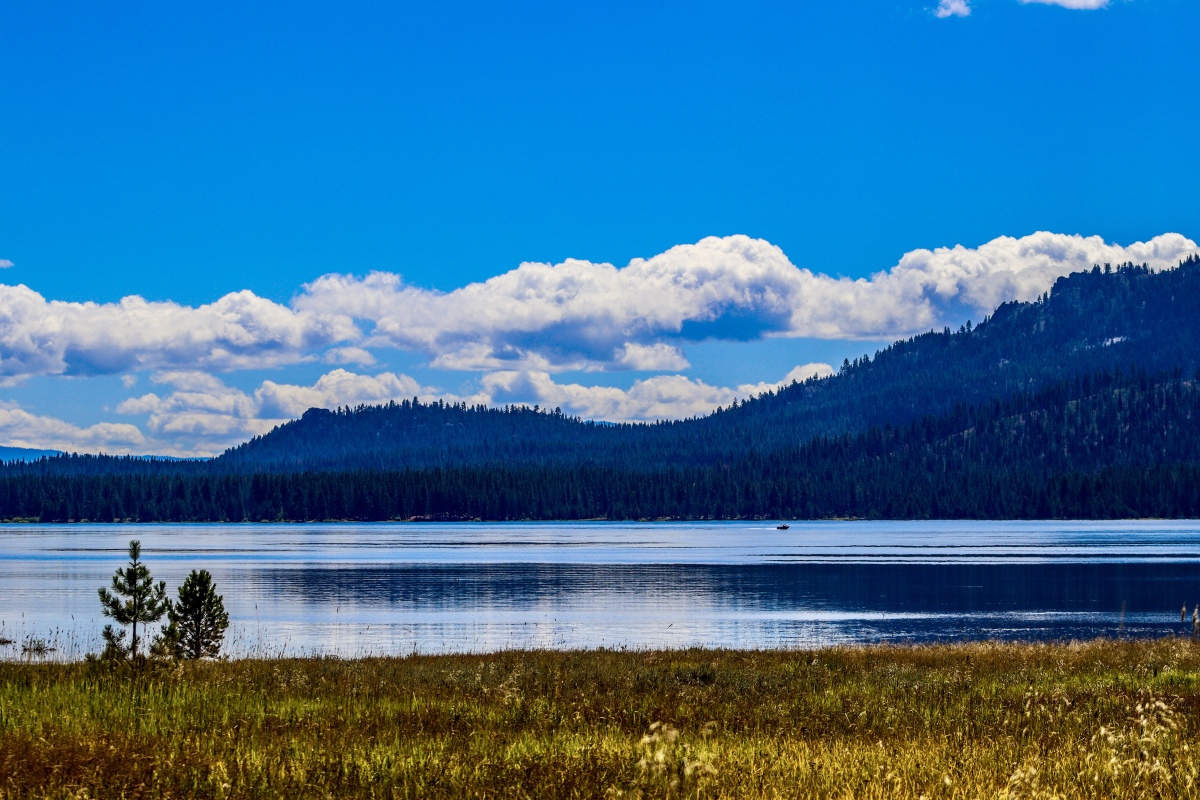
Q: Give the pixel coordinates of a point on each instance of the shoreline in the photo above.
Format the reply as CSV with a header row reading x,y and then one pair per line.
x,y
569,521
907,646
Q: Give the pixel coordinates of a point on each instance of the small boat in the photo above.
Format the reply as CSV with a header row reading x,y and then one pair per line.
x,y
782,527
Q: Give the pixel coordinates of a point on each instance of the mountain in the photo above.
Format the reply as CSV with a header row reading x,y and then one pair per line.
x,y
1084,403
1108,445
24,453
1090,322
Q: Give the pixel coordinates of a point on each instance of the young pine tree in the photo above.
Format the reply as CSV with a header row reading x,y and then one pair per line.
x,y
143,602
198,618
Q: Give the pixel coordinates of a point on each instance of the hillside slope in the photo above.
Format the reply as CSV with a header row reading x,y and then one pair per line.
x,y
1102,446
1090,322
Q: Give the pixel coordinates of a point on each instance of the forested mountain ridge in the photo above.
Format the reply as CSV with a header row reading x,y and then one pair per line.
x,y
1091,321
1106,445
1083,404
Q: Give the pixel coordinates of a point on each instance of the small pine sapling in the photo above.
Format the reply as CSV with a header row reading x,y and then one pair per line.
x,y
198,619
134,599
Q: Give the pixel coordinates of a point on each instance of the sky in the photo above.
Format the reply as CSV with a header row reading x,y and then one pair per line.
x,y
215,216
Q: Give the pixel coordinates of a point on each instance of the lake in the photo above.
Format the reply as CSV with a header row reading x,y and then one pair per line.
x,y
355,589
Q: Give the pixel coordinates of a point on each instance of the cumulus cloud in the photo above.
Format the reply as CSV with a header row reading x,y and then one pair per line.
x,y
952,8
202,415
349,355
337,388
658,357
5,263
656,398
660,397
962,8
1081,5
580,315
577,314
798,375
19,428
572,316
238,331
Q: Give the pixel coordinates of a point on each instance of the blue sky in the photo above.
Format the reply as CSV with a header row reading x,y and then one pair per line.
x,y
180,152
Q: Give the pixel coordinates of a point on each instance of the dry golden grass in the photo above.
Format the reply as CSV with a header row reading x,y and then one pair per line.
x,y
1099,719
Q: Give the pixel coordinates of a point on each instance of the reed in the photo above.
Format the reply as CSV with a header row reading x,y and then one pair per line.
x,y
1097,719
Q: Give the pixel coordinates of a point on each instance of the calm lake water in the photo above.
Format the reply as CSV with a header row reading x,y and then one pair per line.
x,y
350,589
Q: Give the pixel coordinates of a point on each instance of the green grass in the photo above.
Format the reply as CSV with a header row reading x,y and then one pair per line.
x,y
1100,719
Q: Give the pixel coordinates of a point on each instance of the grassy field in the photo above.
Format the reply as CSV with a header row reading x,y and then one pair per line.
x,y
1100,719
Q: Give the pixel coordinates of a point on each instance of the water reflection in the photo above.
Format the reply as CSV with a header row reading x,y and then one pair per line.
x,y
355,589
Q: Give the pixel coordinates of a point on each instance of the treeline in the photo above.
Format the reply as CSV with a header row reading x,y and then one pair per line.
x,y
1163,491
1108,445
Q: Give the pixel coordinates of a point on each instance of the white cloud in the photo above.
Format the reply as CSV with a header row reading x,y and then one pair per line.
x,y
576,316
580,315
952,8
19,428
1081,5
658,357
337,388
203,416
962,8
238,331
5,263
797,375
660,397
939,285
349,355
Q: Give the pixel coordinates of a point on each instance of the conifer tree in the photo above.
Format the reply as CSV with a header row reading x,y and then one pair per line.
x,y
198,619
134,599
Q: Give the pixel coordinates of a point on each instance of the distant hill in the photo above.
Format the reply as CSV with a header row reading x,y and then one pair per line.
x,y
56,463
24,453
1101,446
1090,322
